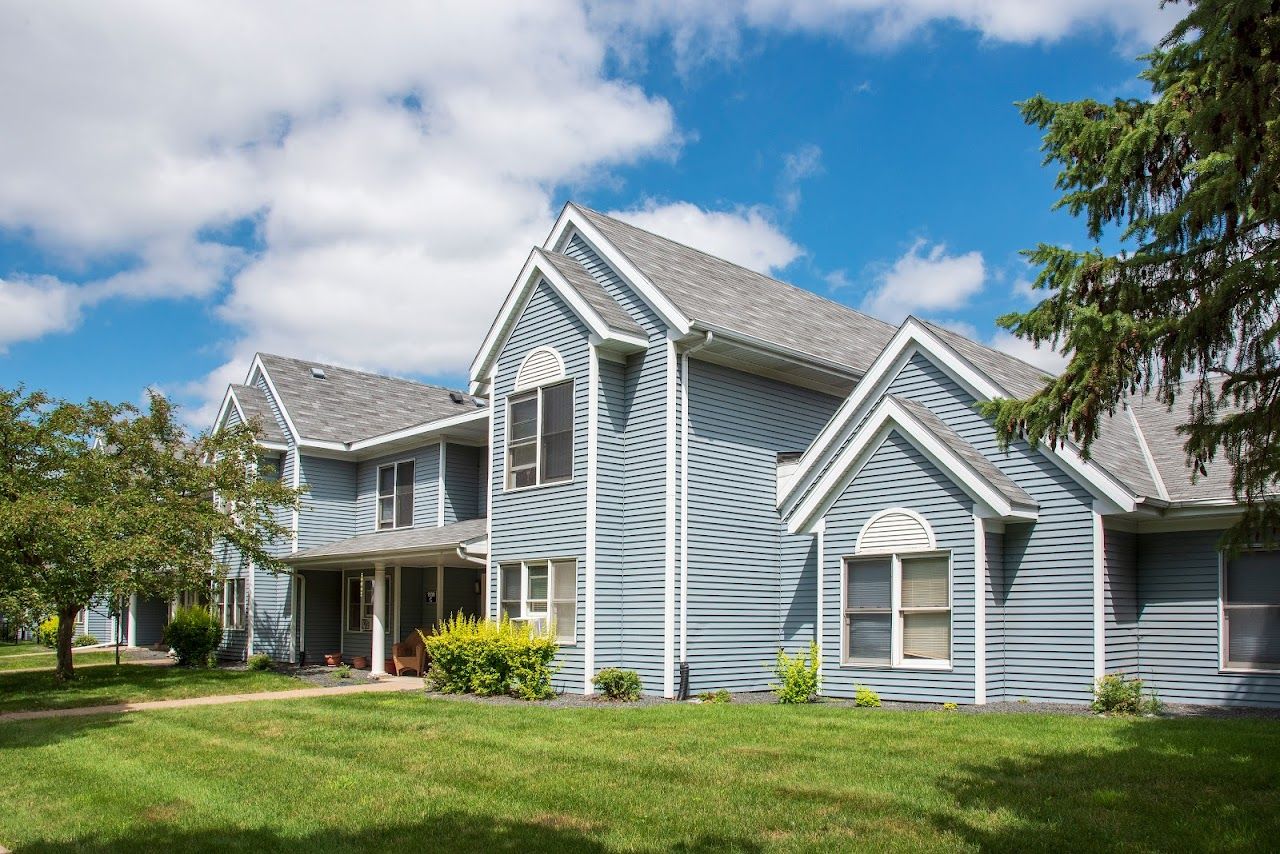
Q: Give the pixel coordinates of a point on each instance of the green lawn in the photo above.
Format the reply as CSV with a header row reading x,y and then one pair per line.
x,y
8,648
96,686
386,772
50,659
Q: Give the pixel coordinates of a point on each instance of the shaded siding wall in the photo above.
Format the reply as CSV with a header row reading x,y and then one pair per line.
x,y
544,521
463,483
752,587
426,474
1178,646
460,595
328,507
149,621
631,497
1047,589
1121,579
995,593
898,475
101,623
235,642
361,643
323,614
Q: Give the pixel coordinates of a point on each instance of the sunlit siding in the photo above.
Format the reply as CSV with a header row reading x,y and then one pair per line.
x,y
752,587
426,492
610,518
897,475
328,507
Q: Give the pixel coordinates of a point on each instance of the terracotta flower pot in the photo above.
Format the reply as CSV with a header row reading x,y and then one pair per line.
x,y
332,659
360,662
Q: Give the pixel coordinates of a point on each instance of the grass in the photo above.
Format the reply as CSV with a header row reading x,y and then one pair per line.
x,y
8,648
50,659
388,772
130,683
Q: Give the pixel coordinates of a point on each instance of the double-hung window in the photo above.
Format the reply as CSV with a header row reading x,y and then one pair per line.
x,y
1251,611
543,591
360,603
897,610
395,495
234,606
540,436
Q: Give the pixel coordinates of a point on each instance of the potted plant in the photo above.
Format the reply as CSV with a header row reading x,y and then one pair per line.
x,y
360,662
332,659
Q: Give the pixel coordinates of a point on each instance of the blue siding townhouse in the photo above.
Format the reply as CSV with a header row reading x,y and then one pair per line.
x,y
682,466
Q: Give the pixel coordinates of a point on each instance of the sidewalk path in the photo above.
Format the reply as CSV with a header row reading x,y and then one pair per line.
x,y
391,683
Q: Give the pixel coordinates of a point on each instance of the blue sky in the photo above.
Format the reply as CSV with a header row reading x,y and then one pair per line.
x,y
213,183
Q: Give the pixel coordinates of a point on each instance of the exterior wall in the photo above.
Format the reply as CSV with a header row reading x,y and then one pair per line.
x,y
463,483
426,474
995,614
101,623
271,594
898,475
543,521
752,586
322,607
361,643
611,516
328,508
1178,643
1046,595
1121,579
149,621
460,595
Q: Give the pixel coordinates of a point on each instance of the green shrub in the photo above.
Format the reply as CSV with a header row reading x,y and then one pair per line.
x,y
1114,694
261,661
85,640
194,634
865,697
47,632
799,676
950,707
618,684
470,655
342,671
717,697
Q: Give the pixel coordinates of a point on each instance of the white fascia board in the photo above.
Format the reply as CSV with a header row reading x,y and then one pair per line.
x,y
228,400
536,270
258,367
430,427
910,338
886,417
571,220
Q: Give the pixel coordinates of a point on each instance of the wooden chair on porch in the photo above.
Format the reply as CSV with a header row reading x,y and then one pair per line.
x,y
410,654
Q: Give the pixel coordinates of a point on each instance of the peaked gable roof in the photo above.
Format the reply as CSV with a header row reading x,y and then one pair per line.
x,y
723,296
253,404
348,405
614,316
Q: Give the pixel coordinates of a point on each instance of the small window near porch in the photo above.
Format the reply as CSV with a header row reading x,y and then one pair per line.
x,y
395,495
360,603
542,590
1251,611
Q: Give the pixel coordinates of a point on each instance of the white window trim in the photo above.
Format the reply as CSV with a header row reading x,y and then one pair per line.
x,y
1223,667
395,501
525,613
537,449
232,604
393,604
896,661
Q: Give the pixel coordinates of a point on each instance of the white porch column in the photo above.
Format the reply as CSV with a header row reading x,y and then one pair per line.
x,y
379,654
132,624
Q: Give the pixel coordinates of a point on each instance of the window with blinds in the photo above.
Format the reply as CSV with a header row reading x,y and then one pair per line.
x,y
395,495
544,591
540,436
897,610
1251,611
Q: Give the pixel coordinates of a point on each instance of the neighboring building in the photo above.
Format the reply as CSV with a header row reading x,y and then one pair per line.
x,y
685,465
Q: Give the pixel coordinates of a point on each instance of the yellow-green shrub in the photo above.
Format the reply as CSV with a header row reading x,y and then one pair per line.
x,y
470,655
47,632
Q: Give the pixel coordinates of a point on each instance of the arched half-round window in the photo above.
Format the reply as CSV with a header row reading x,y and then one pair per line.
x,y
896,530
540,367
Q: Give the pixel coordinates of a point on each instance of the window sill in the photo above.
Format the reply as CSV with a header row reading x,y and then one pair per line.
x,y
941,667
394,528
511,489
1229,671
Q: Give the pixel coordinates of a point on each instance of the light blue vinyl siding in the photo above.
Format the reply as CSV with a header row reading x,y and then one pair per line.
x,y
149,621
1178,645
235,641
1045,600
994,615
897,475
610,516
361,643
463,483
460,596
102,624
322,608
1121,579
426,474
752,586
328,507
544,521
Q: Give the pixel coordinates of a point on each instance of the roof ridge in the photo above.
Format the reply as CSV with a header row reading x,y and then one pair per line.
x,y
1161,489
319,364
733,264
1001,353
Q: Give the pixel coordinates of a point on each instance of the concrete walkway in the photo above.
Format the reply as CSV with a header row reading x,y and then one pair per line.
x,y
391,683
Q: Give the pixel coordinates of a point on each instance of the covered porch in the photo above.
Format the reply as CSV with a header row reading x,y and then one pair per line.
x,y
356,598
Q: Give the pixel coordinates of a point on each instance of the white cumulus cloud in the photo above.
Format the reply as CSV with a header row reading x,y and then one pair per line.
x,y
744,235
926,279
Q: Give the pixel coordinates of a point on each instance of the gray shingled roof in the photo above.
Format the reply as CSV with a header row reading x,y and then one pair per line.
x,y
974,458
400,541
595,295
723,295
253,402
1160,427
348,405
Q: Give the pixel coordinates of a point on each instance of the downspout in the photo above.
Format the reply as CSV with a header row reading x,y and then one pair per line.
x,y
707,339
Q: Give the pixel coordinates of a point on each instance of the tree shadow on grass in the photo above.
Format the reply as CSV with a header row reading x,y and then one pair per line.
x,y
448,831
1162,785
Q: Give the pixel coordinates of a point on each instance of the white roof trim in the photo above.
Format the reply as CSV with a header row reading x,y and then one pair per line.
x,y
887,417
229,400
1161,491
480,413
572,219
537,270
912,337
256,367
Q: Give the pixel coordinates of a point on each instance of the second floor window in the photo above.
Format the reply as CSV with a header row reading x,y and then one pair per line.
x,y
540,436
395,495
